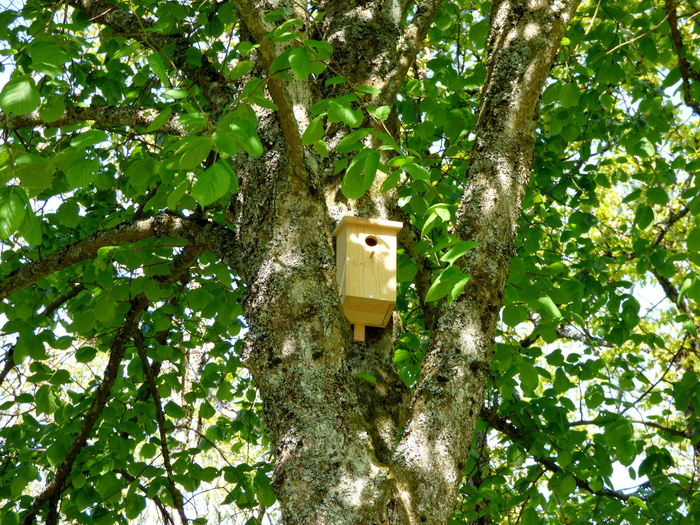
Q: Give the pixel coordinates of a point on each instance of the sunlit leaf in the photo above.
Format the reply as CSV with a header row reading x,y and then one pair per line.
x,y
19,96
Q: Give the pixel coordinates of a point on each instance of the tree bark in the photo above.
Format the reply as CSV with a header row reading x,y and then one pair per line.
x,y
347,452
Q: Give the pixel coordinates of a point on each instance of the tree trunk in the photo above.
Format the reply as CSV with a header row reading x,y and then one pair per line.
x,y
347,451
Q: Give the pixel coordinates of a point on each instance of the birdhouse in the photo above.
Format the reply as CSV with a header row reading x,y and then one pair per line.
x,y
366,271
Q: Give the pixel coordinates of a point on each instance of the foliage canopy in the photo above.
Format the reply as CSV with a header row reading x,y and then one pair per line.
x,y
128,132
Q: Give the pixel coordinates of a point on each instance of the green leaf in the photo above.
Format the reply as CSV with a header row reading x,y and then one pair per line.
x,y
514,315
418,172
341,111
274,16
30,228
56,453
280,63
206,410
10,517
314,132
177,194
351,142
29,344
685,287
547,306
34,172
529,517
160,120
436,215
227,142
368,89
645,148
85,354
551,94
148,450
336,80
155,60
19,96
644,217
192,152
321,47
285,31
89,138
174,410
134,505
263,490
569,95
693,240
529,378
13,204
658,196
561,381
241,69
48,58
175,94
52,109
449,281
360,174
366,377
407,269
689,326
300,62
246,134
78,480
47,401
381,113
458,250
321,148
264,103
391,142
213,183
81,172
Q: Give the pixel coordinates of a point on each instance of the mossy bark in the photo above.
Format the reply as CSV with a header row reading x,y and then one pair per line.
x,y
348,451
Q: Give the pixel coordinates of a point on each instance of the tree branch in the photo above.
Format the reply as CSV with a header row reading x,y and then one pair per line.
x,y
665,226
50,308
213,236
410,43
160,419
518,436
102,116
128,330
205,76
566,332
283,94
165,515
673,431
116,352
430,458
687,72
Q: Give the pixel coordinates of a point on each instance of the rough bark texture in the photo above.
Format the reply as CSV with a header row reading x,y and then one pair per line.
x,y
336,438
213,236
107,116
523,43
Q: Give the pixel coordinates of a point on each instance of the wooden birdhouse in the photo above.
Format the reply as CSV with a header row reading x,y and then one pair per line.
x,y
366,271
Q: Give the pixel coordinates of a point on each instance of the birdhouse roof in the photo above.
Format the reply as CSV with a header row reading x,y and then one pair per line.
x,y
390,226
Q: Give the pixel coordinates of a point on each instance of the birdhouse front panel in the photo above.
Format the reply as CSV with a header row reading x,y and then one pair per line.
x,y
366,262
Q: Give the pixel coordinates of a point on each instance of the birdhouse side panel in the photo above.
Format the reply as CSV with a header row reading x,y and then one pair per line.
x,y
340,260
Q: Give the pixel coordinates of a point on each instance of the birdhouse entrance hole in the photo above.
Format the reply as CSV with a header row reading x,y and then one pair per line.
x,y
366,271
